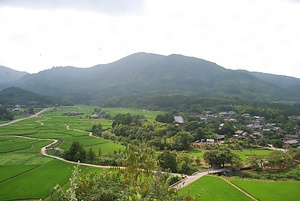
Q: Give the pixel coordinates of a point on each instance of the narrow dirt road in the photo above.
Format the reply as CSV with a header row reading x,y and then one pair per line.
x,y
250,196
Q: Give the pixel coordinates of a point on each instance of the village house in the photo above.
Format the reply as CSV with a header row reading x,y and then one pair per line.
x,y
246,115
179,119
95,116
220,138
291,137
291,143
257,135
277,129
254,126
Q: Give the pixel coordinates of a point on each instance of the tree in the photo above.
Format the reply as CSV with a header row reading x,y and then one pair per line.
x,y
5,114
278,159
31,111
75,153
184,161
218,157
236,162
181,141
257,162
199,134
165,118
97,129
295,153
90,155
167,161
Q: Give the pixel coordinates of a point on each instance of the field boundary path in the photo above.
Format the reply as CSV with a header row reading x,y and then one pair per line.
x,y
241,190
190,179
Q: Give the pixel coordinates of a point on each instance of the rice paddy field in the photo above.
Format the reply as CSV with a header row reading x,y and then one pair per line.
x,y
270,190
25,174
213,188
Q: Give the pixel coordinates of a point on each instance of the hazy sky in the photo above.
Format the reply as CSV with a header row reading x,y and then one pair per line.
x,y
256,35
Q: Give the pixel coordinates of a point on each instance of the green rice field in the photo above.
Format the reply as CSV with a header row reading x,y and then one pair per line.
x,y
213,188
270,190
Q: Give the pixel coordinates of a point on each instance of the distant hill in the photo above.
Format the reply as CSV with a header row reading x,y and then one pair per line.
x,y
144,74
285,82
15,95
9,75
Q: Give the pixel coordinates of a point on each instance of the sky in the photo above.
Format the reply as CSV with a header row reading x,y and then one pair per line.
x,y
255,35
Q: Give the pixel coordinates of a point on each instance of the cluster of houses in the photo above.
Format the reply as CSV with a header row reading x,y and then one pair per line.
x,y
72,114
256,124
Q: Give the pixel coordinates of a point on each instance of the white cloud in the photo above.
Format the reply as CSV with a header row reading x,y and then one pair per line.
x,y
255,35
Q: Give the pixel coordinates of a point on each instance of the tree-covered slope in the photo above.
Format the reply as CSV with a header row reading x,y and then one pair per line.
x,y
285,82
8,75
15,95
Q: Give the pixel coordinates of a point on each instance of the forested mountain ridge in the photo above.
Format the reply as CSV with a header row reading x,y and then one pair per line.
x,y
8,75
286,82
144,74
15,95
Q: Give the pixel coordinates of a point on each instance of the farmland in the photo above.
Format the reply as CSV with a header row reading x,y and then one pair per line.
x,y
244,154
23,167
213,188
270,190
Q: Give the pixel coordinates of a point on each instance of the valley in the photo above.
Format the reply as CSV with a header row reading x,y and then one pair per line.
x,y
25,145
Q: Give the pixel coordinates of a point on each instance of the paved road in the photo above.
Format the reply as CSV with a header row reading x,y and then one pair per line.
x,y
32,116
190,179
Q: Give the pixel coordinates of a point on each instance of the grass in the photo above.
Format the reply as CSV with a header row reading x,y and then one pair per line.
x,y
198,153
106,148
150,115
270,191
244,154
213,188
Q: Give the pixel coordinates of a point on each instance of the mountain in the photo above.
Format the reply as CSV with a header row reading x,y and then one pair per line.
x,y
285,82
144,74
8,75
15,95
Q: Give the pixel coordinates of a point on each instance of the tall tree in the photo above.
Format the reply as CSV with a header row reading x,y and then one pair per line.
x,y
167,160
75,153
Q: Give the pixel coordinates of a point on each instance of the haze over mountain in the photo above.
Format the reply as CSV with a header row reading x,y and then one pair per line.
x,y
8,75
144,74
14,95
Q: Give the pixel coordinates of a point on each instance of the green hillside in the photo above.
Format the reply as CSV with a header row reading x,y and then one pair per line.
x,y
144,74
16,95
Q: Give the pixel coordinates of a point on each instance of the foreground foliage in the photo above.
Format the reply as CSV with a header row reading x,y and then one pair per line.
x,y
136,182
